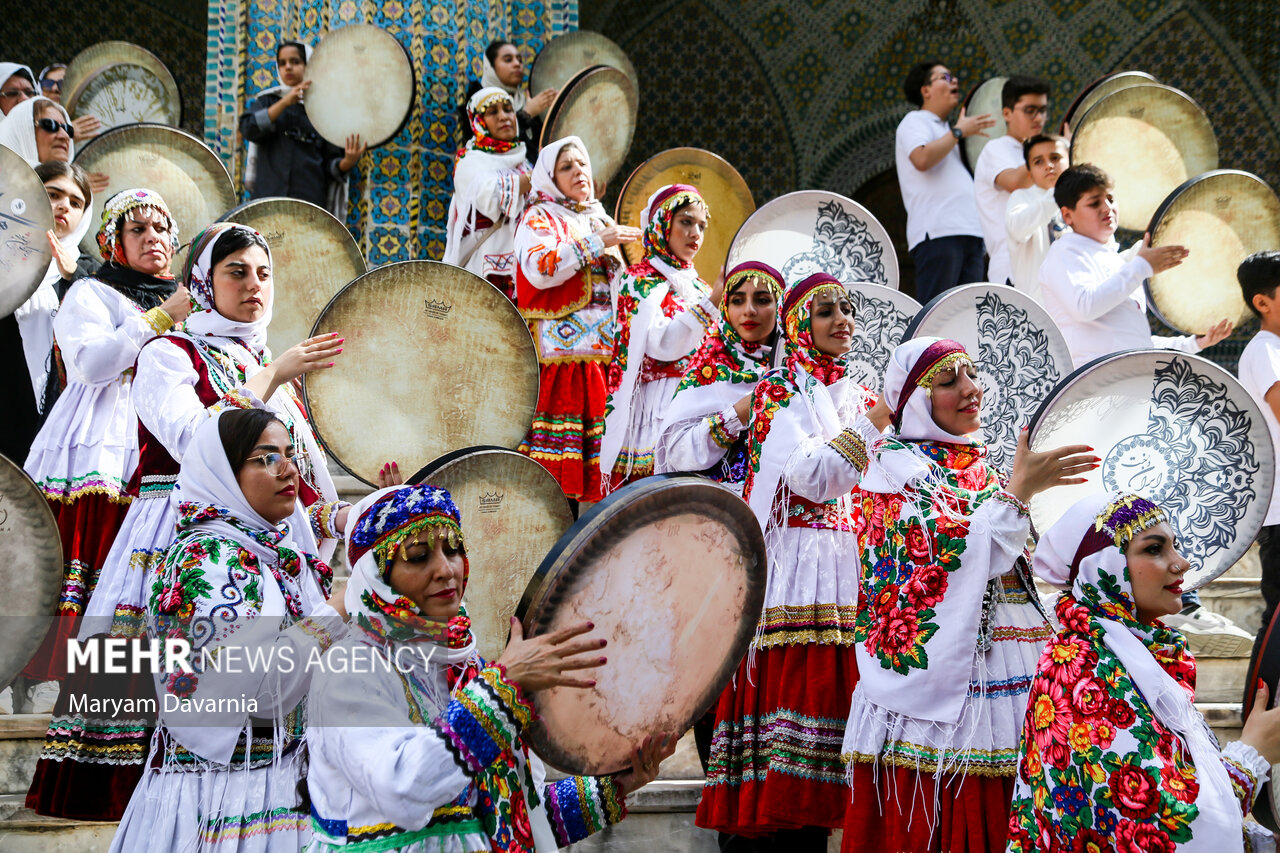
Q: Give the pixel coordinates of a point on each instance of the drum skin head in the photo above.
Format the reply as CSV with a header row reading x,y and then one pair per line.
x,y
727,195
671,570
1176,429
562,58
25,217
1222,217
1149,139
1019,351
30,567
882,316
1099,89
361,82
313,256
187,175
435,359
513,511
811,231
121,83
599,106
987,97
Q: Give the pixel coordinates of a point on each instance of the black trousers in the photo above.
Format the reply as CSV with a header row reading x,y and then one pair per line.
x,y
946,262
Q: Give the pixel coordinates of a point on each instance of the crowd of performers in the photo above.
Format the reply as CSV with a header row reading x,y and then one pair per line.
x,y
904,684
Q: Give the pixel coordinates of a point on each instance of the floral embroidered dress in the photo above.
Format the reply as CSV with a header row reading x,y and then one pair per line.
x,y
487,201
87,450
425,756
663,314
182,379
1114,755
224,764
564,282
775,749
701,431
948,630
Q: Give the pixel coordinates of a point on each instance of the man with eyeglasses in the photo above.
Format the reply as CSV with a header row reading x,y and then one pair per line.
x,y
1001,167
944,235
18,85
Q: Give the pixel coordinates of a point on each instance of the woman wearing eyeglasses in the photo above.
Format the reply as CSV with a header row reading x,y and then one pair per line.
x,y
218,361
17,84
237,582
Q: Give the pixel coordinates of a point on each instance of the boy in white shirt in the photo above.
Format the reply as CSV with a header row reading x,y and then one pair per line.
x,y
1091,288
1001,167
1259,372
1032,220
1094,292
944,235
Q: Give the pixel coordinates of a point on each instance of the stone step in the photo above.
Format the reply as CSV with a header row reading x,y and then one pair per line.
x,y
28,832
21,739
1238,599
1221,679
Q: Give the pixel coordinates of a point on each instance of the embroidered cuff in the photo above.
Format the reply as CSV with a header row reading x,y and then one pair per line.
x,y
158,319
1018,506
582,805
1248,770
483,720
722,432
324,625
324,519
237,398
705,312
587,248
851,446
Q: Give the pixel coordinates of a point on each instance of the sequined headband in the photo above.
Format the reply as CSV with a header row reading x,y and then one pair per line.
x,y
490,100
803,290
1116,525
938,356
753,269
398,515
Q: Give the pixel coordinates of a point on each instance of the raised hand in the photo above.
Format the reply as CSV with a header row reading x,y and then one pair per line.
x,y
1062,466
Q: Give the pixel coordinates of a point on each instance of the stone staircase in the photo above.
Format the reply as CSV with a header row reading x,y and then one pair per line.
x,y
661,813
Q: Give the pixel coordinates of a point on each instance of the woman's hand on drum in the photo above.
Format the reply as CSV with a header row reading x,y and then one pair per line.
x,y
1262,728
550,660
1220,332
1062,466
87,127
98,182
178,305
312,354
352,153
540,103
62,256
615,234
646,758
389,475
1161,258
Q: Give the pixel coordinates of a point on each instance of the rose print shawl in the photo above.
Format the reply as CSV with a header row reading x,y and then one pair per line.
x,y
1114,755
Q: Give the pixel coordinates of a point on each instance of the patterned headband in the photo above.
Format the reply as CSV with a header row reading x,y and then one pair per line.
x,y
399,515
754,269
122,203
800,294
686,193
1117,524
938,356
494,96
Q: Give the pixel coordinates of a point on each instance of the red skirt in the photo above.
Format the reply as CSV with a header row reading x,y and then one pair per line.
x,y
567,428
88,525
971,816
775,750
91,763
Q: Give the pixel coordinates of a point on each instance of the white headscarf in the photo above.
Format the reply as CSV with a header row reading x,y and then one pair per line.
x,y
543,180
8,69
18,131
917,417
197,274
35,317
519,94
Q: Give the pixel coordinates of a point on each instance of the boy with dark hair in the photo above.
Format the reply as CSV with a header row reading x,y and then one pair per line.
x,y
1259,372
1094,292
1001,169
943,232
1031,219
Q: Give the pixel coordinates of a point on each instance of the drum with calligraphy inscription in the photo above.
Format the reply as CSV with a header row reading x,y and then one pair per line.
x,y
120,83
25,219
1176,429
